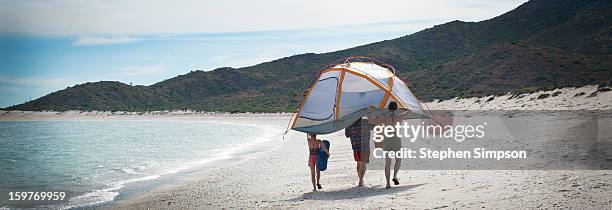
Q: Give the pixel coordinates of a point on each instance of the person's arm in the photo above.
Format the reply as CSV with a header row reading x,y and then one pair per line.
x,y
323,147
347,132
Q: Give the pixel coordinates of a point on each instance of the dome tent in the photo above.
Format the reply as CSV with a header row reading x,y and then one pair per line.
x,y
341,94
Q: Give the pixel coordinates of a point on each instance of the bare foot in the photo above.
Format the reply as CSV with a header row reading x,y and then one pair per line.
x,y
388,186
360,184
314,189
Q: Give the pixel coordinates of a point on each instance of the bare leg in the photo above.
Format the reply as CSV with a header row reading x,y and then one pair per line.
x,y
358,168
318,176
396,168
360,172
363,171
388,171
313,178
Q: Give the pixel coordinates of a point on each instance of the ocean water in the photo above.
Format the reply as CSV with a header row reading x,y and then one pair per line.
x,y
94,160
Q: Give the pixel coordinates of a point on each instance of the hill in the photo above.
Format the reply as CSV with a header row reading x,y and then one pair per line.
x,y
539,45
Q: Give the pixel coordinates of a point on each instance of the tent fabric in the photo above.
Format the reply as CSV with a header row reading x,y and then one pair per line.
x,y
341,94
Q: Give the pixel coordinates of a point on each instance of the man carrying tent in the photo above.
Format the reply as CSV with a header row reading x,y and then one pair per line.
x,y
359,134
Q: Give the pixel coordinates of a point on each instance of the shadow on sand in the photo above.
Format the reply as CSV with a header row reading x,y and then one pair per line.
x,y
354,192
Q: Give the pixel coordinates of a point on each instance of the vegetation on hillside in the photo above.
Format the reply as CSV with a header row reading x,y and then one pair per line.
x,y
540,44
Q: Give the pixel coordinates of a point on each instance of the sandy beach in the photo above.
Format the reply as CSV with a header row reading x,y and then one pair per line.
x,y
279,177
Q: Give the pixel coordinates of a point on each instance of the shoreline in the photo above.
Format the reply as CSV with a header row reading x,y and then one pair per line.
x,y
125,188
589,97
132,116
245,150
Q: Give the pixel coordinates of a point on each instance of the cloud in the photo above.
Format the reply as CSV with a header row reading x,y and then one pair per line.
x,y
95,40
138,17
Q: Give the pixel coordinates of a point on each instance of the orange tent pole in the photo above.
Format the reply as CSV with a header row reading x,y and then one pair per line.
x,y
339,93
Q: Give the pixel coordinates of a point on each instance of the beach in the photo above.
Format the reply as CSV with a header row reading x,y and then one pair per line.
x,y
280,179
277,175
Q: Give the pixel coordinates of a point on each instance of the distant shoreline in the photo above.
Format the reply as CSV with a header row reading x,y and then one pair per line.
x,y
582,98
100,115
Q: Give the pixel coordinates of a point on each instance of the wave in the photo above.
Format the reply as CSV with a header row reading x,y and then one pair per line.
x,y
129,171
111,191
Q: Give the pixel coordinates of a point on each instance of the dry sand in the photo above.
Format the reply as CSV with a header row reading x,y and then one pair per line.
x,y
580,98
279,177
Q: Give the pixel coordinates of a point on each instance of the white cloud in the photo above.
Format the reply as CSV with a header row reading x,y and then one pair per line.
x,y
96,40
76,17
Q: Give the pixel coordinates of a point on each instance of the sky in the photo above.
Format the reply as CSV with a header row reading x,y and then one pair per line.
x,y
46,46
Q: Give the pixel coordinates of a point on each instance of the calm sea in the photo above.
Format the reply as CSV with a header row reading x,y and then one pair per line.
x,y
94,160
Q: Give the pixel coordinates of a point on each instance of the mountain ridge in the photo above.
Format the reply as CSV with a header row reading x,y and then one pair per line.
x,y
570,38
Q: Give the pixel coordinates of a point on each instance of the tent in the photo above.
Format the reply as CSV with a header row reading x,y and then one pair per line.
x,y
341,94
